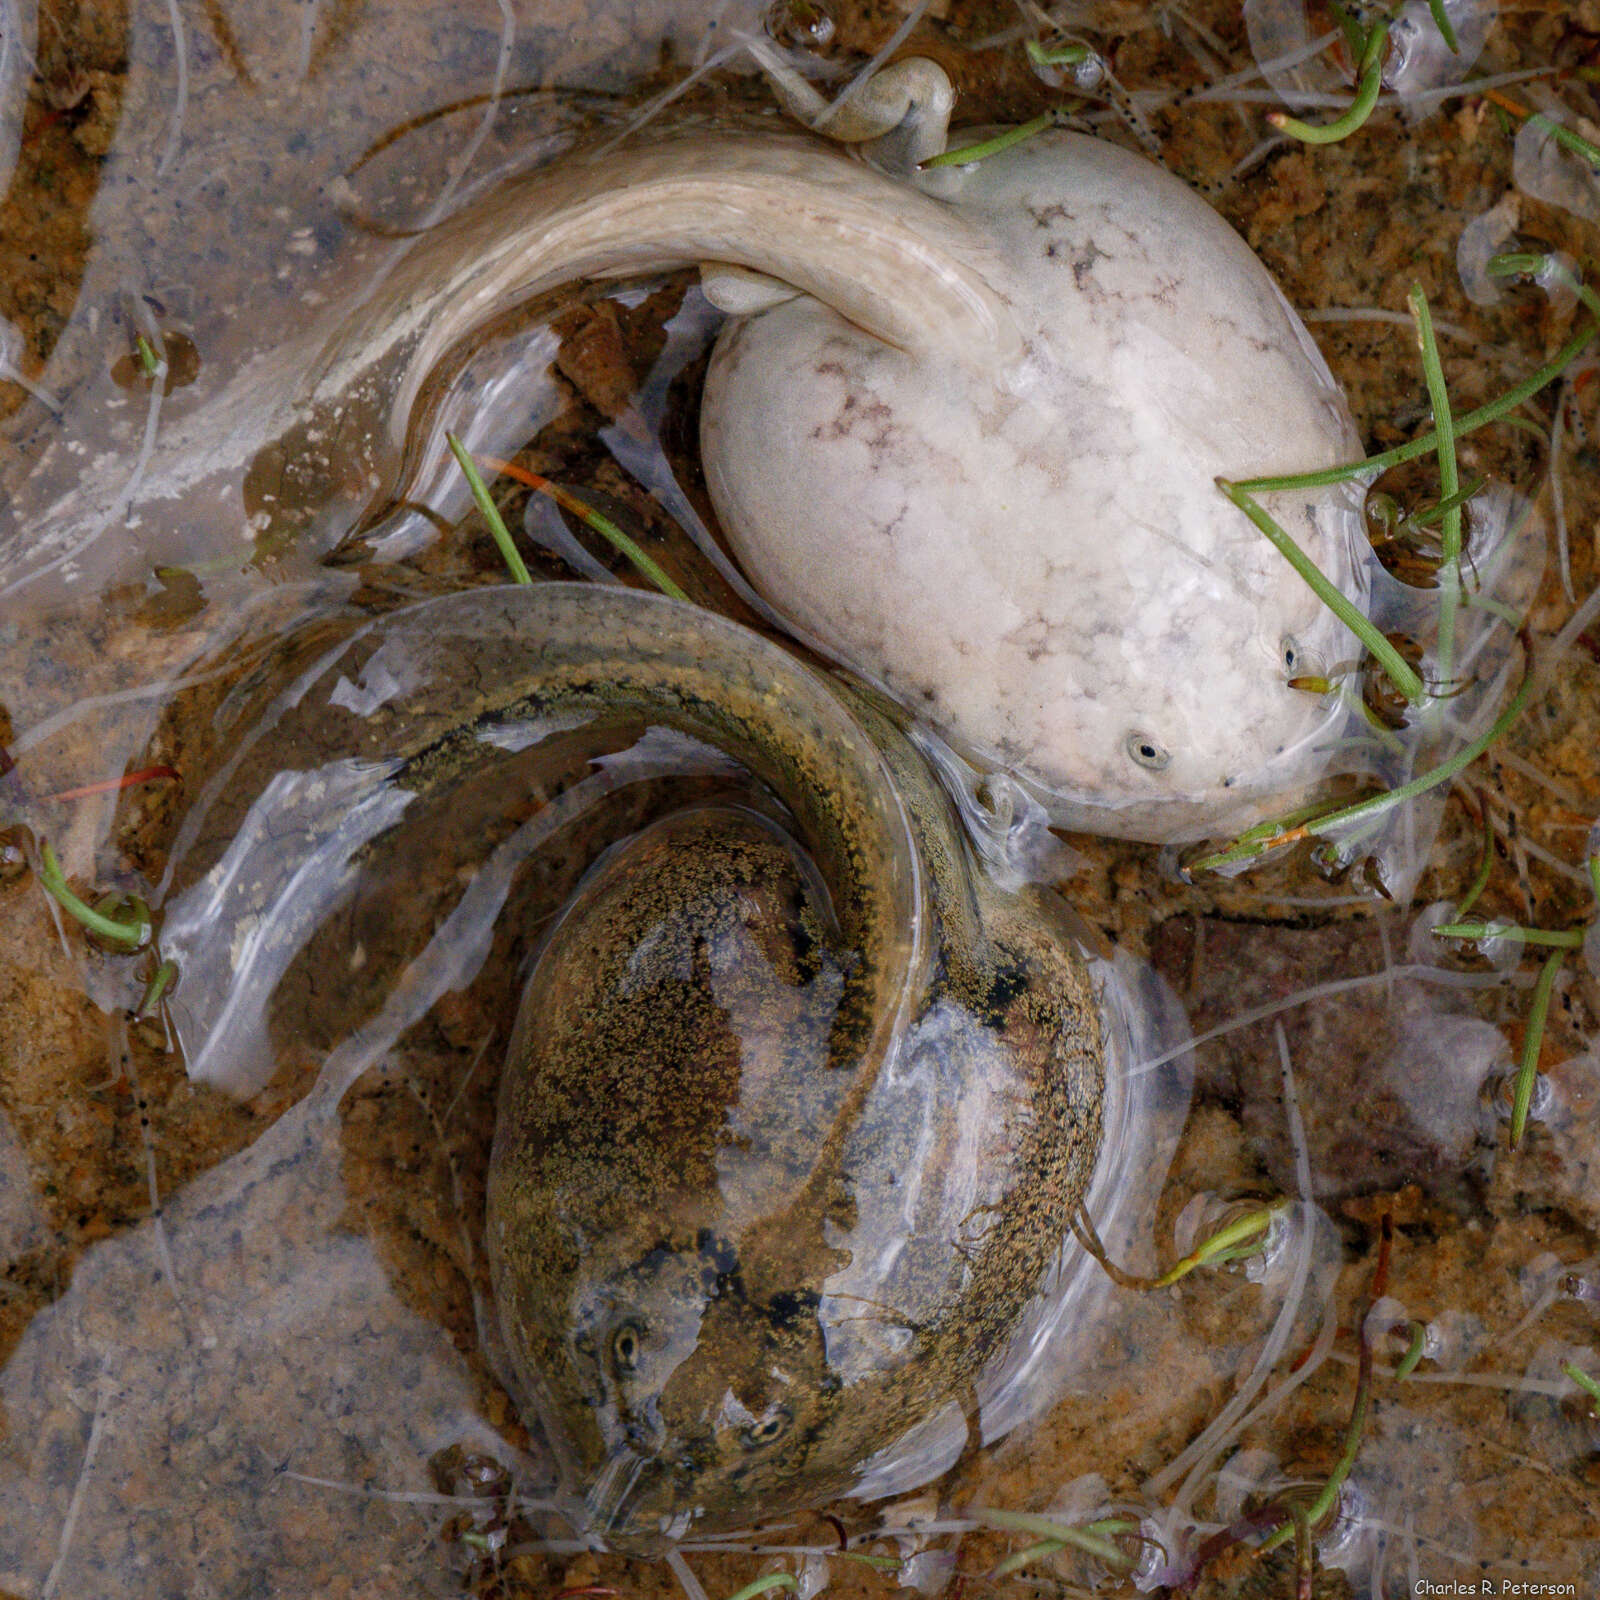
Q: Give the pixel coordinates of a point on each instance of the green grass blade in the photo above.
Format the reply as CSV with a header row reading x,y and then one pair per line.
x,y
54,880
1528,1067
1441,20
1449,481
1424,444
968,153
1371,81
501,534
1351,615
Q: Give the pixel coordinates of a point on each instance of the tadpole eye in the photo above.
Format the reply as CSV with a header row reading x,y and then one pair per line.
x,y
627,1343
771,1427
1145,752
1289,647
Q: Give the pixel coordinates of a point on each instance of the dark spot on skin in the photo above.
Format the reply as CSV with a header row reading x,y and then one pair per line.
x,y
1004,987
792,1306
1083,267
717,1251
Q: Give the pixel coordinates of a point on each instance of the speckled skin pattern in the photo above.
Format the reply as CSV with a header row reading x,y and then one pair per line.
x,y
798,1103
1037,560
757,1207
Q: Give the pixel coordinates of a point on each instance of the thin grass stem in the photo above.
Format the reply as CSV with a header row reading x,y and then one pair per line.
x,y
761,1585
1328,1498
1061,55
1528,1067
1539,937
1246,848
1409,1362
1449,479
603,525
1093,1538
498,530
1441,20
966,154
1582,1379
1423,444
160,981
1367,89
133,934
1393,663
1437,511
1480,880
1565,137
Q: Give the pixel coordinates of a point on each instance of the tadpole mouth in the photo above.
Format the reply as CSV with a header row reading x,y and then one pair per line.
x,y
638,1505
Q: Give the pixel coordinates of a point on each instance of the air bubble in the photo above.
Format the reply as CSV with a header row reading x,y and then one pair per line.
x,y
1544,169
1418,57
1486,236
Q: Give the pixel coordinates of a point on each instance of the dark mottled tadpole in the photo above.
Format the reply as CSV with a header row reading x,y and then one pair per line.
x,y
798,1103
794,1116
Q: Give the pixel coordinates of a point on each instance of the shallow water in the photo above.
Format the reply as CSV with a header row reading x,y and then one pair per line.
x,y
271,1383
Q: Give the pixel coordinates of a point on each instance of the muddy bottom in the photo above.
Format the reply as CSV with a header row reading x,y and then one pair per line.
x,y
247,1344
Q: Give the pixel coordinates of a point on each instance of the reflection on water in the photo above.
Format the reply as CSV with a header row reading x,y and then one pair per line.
x,y
253,1382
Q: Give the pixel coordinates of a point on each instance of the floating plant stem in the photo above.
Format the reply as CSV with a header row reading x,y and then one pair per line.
x,y
1541,937
111,785
1304,1557
149,362
1594,874
1409,1362
1393,663
1468,422
1449,479
1480,879
1243,1237
1528,1067
1258,840
1328,1497
1370,81
1441,508
1526,264
603,525
1441,20
1565,137
1060,55
877,1563
491,512
770,1580
133,933
968,153
1026,1558
1093,1538
160,981
1582,1379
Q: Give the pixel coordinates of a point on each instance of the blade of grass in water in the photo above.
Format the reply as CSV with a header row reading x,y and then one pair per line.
x,y
1393,663
1258,842
1367,88
968,153
1568,939
1441,20
1425,443
501,534
53,879
1480,879
1449,481
603,525
1528,1067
